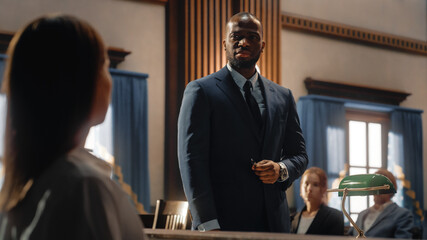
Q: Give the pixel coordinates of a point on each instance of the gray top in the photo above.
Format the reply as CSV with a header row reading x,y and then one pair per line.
x,y
73,199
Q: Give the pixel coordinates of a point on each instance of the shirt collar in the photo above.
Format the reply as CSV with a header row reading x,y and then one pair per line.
x,y
240,80
382,207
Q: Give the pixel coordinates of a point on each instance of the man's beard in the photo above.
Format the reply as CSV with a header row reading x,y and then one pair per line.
x,y
238,64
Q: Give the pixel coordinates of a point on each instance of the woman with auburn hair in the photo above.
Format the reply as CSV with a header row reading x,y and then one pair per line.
x,y
58,85
316,217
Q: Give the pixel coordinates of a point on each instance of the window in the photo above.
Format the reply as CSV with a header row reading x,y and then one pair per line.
x,y
366,148
100,139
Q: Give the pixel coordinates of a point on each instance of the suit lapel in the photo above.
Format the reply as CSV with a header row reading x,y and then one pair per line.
x,y
318,219
383,215
295,222
270,108
231,90
360,220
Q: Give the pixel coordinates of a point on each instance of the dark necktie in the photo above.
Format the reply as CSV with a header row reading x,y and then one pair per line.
x,y
252,104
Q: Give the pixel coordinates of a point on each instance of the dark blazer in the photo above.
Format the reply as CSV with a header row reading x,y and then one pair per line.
x,y
217,138
393,222
328,221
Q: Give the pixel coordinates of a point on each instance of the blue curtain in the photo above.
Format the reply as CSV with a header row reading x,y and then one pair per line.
x,y
405,160
130,134
323,124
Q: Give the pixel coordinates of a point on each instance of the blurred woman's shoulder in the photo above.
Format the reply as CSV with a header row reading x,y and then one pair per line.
x,y
74,198
88,164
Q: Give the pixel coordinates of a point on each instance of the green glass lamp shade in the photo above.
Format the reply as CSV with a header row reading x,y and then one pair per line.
x,y
354,182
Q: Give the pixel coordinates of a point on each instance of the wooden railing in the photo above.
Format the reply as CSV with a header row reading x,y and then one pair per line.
x,y
161,234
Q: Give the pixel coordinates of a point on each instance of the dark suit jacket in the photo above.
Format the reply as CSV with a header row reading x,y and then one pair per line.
x,y
393,222
217,138
328,221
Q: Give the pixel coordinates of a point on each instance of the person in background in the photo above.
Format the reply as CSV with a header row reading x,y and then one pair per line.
x,y
58,86
385,219
240,145
316,217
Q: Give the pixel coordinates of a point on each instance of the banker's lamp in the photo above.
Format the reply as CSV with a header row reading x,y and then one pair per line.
x,y
362,185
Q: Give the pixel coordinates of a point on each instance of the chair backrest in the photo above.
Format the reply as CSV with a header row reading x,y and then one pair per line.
x,y
170,215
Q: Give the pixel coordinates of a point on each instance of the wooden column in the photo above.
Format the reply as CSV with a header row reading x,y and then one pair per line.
x,y
175,84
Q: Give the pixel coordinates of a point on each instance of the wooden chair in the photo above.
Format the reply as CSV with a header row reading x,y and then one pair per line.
x,y
171,215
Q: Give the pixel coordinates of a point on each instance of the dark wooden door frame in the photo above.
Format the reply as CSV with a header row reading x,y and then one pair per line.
x,y
175,85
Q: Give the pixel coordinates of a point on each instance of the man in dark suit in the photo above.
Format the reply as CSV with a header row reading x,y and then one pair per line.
x,y
240,145
385,218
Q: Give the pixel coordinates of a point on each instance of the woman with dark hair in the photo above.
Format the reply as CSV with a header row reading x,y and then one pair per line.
x,y
316,217
58,85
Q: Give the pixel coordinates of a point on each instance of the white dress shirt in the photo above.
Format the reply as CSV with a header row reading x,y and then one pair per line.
x,y
373,215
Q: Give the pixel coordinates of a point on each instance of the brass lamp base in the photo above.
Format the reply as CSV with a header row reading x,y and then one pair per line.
x,y
362,185
360,231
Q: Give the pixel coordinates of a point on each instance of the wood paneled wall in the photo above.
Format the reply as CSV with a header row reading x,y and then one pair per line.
x,y
195,31
268,11
204,31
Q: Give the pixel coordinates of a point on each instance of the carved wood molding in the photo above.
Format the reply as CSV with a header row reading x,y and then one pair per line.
x,y
355,34
161,2
116,55
356,92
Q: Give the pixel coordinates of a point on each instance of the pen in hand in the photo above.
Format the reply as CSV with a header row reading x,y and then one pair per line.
x,y
261,166
253,164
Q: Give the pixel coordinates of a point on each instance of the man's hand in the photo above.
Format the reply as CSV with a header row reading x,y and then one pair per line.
x,y
267,171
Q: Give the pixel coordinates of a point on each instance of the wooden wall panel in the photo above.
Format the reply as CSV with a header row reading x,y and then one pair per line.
x,y
268,11
205,24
